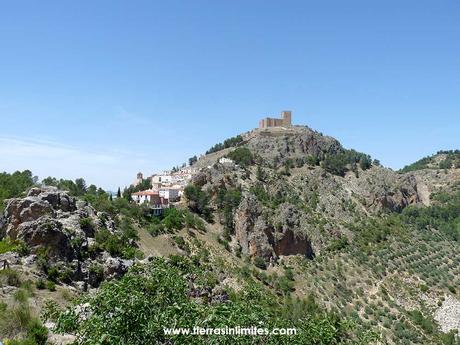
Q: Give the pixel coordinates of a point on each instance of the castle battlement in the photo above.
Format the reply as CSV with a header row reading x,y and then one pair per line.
x,y
284,121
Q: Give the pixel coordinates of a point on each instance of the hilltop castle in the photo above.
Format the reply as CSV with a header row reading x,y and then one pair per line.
x,y
285,121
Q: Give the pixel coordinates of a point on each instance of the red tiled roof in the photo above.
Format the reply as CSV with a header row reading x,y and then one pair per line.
x,y
146,192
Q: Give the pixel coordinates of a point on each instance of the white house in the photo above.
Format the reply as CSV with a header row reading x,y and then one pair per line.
x,y
148,196
151,197
163,179
226,161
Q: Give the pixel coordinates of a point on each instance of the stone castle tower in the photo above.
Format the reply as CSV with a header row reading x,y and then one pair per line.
x,y
284,121
138,179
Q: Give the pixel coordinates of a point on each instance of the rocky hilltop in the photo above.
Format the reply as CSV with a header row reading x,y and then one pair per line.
x,y
300,190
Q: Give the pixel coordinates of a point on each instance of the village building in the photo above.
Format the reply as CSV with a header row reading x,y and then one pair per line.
x,y
162,178
146,196
171,194
226,161
152,198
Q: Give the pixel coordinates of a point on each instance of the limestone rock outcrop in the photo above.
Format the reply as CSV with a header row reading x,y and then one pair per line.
x,y
50,222
47,218
259,238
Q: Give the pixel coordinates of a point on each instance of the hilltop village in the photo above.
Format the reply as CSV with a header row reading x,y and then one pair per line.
x,y
166,188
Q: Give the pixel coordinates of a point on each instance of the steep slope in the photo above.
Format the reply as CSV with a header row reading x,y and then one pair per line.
x,y
299,190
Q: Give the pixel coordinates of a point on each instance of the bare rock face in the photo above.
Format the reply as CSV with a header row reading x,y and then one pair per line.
x,y
200,179
46,232
48,218
448,315
291,238
245,219
11,257
258,238
115,267
403,193
430,181
290,244
376,189
29,209
2,226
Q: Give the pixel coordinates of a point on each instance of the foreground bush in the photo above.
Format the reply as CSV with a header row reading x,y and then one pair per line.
x,y
135,309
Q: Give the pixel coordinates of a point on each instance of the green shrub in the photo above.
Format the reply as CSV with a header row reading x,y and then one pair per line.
x,y
14,322
12,185
21,295
224,242
127,229
51,311
341,162
96,269
284,285
241,156
22,249
132,253
289,273
66,275
86,224
53,273
118,244
426,324
179,240
231,142
259,262
40,284
227,201
6,245
135,309
9,277
51,285
173,219
43,259
338,244
198,201
37,332
156,229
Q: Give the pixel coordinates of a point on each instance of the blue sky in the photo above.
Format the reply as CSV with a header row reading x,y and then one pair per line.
x,y
103,89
